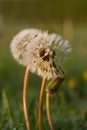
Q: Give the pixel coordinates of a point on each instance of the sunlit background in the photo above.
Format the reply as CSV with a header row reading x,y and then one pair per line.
x,y
67,18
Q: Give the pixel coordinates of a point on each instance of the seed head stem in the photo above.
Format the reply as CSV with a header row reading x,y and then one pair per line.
x,y
48,111
40,111
25,105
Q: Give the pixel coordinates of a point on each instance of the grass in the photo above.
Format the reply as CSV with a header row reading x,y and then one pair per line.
x,y
68,108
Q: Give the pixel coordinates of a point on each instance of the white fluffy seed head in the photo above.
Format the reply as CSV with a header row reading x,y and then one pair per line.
x,y
19,43
42,52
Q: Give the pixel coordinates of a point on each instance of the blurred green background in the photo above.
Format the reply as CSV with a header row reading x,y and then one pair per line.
x,y
65,17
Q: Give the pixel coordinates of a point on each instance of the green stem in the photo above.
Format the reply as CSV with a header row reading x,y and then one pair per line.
x,y
25,91
48,110
40,112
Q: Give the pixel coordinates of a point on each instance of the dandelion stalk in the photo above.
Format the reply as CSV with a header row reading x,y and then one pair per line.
x,y
52,89
27,120
40,112
48,111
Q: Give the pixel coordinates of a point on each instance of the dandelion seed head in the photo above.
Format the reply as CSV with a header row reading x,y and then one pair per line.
x,y
19,43
46,54
42,52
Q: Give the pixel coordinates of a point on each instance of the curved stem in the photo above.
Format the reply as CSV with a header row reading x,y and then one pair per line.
x,y
40,112
48,111
25,87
